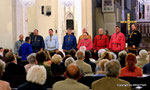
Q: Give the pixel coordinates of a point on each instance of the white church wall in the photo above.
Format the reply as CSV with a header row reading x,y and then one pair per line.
x,y
87,15
42,22
6,32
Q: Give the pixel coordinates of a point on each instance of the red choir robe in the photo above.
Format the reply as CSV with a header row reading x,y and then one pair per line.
x,y
100,42
117,42
85,42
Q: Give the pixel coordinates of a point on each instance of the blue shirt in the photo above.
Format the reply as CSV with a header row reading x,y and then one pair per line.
x,y
25,50
146,68
69,42
51,43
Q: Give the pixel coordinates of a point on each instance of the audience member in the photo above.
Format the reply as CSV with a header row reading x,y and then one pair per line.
x,y
131,70
4,54
36,77
32,61
114,56
41,57
142,59
55,66
121,57
72,52
73,75
3,84
146,67
88,61
69,61
100,52
12,69
47,62
101,71
112,69
1,51
85,68
61,54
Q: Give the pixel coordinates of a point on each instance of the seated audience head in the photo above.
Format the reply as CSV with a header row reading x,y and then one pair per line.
x,y
2,67
5,51
48,56
73,72
102,63
72,52
114,56
82,48
131,61
121,57
80,55
27,39
36,74
1,49
61,54
32,58
69,61
56,59
100,52
10,57
106,55
67,56
143,54
40,57
112,68
87,54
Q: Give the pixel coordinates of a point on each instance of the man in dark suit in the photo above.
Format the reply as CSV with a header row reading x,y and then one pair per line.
x,y
134,39
37,42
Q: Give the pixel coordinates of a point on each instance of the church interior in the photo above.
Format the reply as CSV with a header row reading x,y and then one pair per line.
x,y
54,19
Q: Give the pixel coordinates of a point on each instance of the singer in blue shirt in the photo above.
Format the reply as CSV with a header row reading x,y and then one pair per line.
x,y
69,41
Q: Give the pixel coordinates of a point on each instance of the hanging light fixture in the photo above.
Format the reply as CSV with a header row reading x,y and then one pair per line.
x,y
67,3
27,2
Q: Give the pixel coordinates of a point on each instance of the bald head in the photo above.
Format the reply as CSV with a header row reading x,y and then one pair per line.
x,y
84,30
21,37
100,31
73,71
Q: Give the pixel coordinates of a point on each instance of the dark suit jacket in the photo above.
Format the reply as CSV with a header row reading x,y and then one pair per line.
x,y
13,70
31,86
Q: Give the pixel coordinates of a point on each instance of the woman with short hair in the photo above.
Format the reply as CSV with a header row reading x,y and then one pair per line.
x,y
36,77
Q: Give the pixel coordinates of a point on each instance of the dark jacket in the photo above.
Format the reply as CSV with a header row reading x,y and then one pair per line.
x,y
37,43
12,70
31,86
134,38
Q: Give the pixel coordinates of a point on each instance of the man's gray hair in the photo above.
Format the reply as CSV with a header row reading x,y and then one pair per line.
x,y
80,54
32,58
2,66
36,74
69,61
112,68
